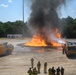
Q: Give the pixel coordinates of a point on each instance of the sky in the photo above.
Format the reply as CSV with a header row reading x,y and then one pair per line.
x,y
11,10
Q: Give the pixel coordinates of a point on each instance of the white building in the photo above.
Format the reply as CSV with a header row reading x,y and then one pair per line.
x,y
14,36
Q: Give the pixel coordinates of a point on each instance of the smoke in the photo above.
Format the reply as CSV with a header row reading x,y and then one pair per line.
x,y
44,17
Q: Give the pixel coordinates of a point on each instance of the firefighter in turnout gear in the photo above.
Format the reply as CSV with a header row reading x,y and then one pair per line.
x,y
30,71
58,71
35,72
49,71
38,66
32,62
53,71
62,71
45,67
64,48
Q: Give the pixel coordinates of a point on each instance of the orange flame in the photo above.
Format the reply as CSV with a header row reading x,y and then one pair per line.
x,y
39,40
58,34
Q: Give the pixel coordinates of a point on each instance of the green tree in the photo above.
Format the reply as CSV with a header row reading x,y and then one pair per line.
x,y
69,27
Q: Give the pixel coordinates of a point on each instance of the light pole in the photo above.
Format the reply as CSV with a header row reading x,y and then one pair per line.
x,y
23,15
23,10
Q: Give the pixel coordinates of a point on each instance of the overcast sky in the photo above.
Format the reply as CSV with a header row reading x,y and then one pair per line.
x,y
11,10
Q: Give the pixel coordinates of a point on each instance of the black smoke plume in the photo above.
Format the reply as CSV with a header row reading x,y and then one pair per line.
x,y
44,16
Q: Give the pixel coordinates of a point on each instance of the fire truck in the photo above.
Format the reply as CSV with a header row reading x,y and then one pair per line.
x,y
70,48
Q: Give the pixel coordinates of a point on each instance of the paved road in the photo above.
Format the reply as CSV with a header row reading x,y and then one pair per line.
x,y
19,62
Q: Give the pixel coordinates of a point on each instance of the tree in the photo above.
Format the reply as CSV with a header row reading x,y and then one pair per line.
x,y
69,29
13,28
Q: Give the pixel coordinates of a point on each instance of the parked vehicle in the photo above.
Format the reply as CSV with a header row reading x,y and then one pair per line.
x,y
6,49
70,48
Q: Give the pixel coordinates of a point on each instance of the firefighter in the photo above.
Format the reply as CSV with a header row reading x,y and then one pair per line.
x,y
64,49
58,71
45,67
49,71
35,72
32,62
53,71
30,71
38,66
62,71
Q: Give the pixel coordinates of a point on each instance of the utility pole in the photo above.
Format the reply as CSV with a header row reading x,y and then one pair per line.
x,y
23,10
23,15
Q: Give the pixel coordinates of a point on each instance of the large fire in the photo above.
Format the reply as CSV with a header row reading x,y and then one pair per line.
x,y
39,40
